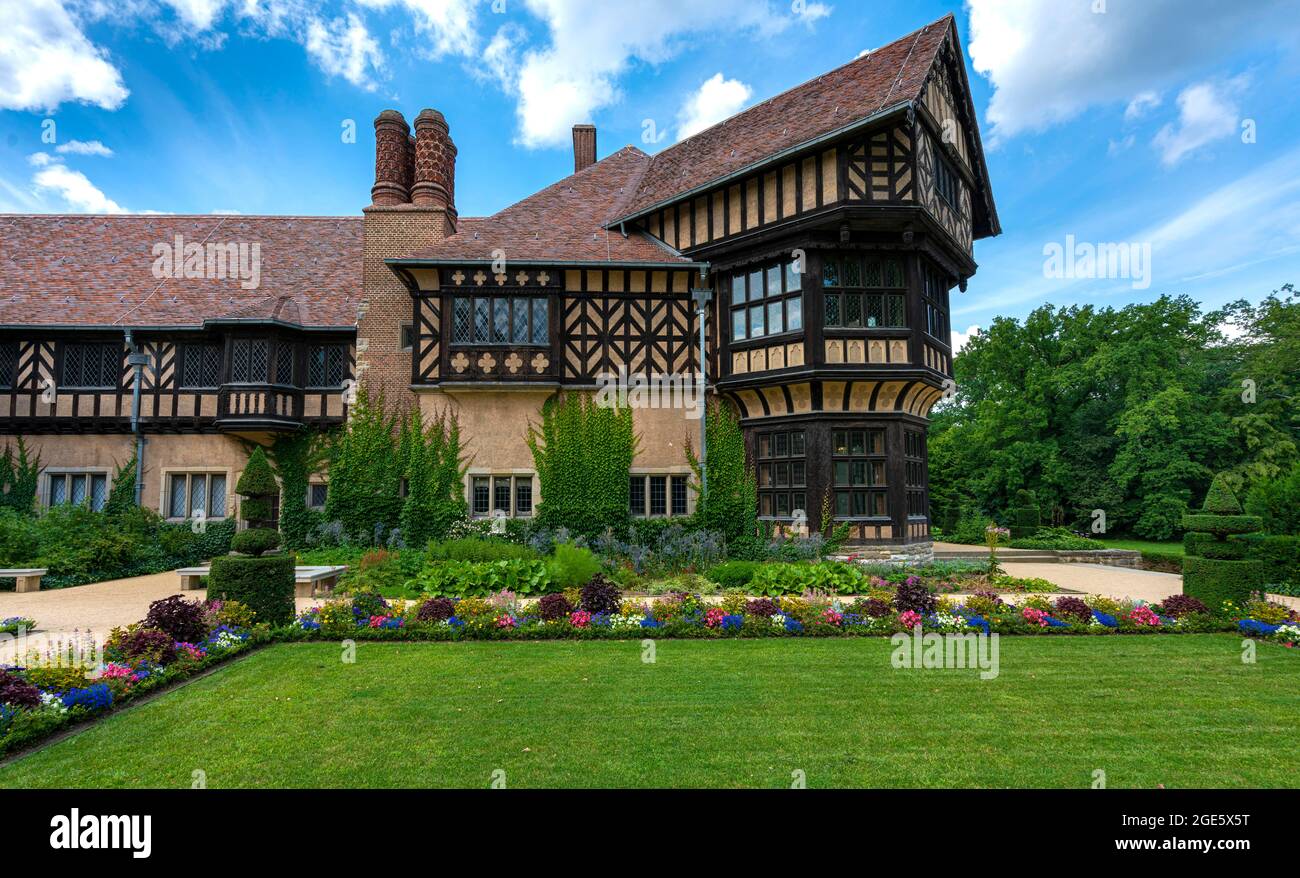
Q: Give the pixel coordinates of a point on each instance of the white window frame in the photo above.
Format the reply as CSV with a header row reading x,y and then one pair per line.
x,y
164,494
67,473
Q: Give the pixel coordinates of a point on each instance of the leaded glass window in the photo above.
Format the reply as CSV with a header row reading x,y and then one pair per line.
x,y
853,298
8,363
250,361
77,488
92,365
461,332
201,365
326,366
500,320
284,363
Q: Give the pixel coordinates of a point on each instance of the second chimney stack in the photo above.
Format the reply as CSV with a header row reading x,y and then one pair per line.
x,y
584,147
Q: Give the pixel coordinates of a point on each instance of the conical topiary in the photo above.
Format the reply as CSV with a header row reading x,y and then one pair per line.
x,y
265,584
1220,500
1216,568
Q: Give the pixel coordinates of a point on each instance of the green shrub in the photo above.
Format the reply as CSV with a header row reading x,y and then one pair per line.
x,y
1213,581
573,566
482,578
1024,516
733,574
264,585
731,504
831,576
1280,557
19,476
257,479
255,540
1221,525
1277,502
1057,538
477,549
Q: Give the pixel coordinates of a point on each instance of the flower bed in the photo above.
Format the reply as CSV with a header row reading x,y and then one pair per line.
x,y
15,624
504,616
40,699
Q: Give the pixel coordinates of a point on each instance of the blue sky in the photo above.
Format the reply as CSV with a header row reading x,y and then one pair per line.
x,y
1168,124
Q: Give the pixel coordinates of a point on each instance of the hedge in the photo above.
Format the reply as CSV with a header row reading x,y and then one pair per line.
x,y
264,584
1279,555
1214,581
1222,524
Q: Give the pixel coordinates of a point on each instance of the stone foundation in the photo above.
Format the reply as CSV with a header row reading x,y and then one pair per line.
x,y
901,554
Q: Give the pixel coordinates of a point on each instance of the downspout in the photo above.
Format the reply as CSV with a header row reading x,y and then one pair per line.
x,y
138,361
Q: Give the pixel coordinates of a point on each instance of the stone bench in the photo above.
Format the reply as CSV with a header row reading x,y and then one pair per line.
x,y
308,581
26,578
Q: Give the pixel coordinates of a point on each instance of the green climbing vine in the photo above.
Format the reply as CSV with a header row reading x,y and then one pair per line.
x,y
583,454
731,503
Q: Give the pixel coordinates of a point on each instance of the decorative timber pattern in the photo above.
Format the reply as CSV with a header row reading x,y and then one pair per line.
x,y
910,397
880,168
613,320
956,222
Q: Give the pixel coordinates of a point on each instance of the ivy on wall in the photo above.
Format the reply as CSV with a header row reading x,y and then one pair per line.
x,y
295,457
731,503
121,495
19,475
583,454
434,468
365,472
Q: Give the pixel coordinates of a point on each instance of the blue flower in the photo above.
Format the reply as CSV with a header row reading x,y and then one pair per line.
x,y
1105,618
94,697
1254,626
978,622
651,622
793,625
456,622
733,622
1056,623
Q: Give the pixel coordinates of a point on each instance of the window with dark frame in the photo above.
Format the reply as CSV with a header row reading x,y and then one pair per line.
x,y
406,337
782,474
191,493
657,496
766,301
326,365
92,364
858,473
317,494
935,296
201,365
284,357
512,494
914,468
8,363
500,320
856,292
77,489
250,361
946,182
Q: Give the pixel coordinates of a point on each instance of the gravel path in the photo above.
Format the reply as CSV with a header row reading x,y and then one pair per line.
x,y
100,607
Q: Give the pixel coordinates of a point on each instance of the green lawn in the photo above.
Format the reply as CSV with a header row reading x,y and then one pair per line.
x,y
1179,710
1174,547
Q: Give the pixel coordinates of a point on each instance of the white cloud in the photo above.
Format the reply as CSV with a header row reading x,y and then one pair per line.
x,y
1115,147
198,14
810,12
345,48
72,187
1207,111
450,23
1049,61
593,44
960,339
716,99
46,60
84,147
1141,104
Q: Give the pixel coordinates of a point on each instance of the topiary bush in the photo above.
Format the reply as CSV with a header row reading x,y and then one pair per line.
x,y
255,541
1219,571
601,596
182,620
732,574
265,585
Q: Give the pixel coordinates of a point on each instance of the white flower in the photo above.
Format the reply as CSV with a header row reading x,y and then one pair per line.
x,y
53,702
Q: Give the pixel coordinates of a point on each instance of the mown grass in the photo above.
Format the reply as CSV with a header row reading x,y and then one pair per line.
x,y
1174,547
1178,710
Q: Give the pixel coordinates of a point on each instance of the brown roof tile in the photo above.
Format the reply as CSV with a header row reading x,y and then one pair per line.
x,y
887,77
563,222
98,270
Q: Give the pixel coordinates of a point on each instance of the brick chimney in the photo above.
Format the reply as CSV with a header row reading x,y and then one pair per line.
x,y
392,160
435,163
584,147
413,207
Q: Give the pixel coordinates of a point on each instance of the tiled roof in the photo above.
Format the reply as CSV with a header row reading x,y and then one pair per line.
x,y
563,222
887,77
99,270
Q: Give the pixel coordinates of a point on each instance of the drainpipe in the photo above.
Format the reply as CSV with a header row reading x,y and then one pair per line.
x,y
138,361
703,296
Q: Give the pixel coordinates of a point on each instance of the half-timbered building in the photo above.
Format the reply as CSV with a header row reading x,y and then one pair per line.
x,y
829,224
